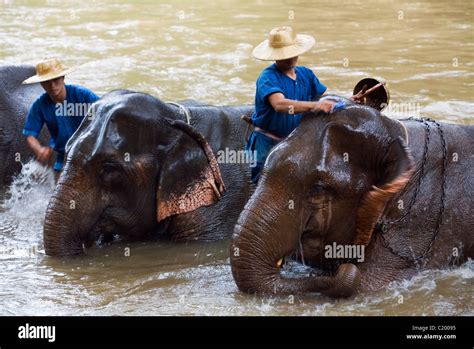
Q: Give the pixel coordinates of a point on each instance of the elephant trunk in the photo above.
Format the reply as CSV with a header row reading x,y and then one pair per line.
x,y
267,231
70,215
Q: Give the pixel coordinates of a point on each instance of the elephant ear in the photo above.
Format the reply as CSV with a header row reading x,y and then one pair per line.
x,y
397,167
190,177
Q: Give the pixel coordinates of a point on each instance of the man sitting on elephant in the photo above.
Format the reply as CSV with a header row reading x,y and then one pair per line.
x,y
284,92
62,107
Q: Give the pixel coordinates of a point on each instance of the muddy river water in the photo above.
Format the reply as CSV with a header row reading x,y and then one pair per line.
x,y
202,50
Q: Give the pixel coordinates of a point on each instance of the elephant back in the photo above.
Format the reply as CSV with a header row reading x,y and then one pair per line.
x,y
15,100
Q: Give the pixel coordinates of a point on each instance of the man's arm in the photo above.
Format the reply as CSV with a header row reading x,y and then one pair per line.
x,y
42,153
355,98
33,125
289,106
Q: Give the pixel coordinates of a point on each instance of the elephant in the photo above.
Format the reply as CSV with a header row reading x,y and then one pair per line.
x,y
354,180
135,168
15,100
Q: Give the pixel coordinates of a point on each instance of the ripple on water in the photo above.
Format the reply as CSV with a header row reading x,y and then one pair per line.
x,y
451,111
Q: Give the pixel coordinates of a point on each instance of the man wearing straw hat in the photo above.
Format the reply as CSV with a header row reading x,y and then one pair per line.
x,y
284,92
62,107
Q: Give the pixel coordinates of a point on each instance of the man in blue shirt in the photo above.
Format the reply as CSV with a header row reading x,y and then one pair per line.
x,y
62,107
284,92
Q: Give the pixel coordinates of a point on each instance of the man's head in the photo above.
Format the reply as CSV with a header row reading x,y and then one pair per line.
x,y
50,73
283,45
287,64
55,88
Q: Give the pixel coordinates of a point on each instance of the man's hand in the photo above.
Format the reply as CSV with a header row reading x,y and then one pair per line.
x,y
289,106
44,155
325,106
359,97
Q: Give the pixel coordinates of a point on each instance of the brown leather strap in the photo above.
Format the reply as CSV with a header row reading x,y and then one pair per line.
x,y
248,120
268,134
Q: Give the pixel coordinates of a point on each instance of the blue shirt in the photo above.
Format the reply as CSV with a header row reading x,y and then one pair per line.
x,y
306,87
62,119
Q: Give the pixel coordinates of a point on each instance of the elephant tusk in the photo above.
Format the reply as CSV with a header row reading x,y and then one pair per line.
x,y
279,263
214,188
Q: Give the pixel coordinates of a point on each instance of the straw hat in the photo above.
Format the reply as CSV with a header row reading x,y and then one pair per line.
x,y
283,43
48,69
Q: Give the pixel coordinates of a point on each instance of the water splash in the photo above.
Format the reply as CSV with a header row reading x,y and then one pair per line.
x,y
23,210
29,188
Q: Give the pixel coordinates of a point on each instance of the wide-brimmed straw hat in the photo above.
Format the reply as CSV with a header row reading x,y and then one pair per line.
x,y
283,43
48,69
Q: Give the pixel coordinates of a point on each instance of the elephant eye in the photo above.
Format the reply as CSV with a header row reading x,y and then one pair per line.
x,y
110,174
317,190
319,194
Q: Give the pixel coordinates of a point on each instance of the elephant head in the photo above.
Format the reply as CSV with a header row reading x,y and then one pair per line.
x,y
327,183
130,166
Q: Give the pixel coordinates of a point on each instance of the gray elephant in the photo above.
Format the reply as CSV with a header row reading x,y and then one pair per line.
x,y
138,169
15,100
365,198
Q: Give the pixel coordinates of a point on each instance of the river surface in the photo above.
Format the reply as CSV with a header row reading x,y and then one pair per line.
x,y
202,50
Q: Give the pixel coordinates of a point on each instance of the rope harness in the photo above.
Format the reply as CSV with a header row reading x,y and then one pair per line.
x,y
383,226
183,110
